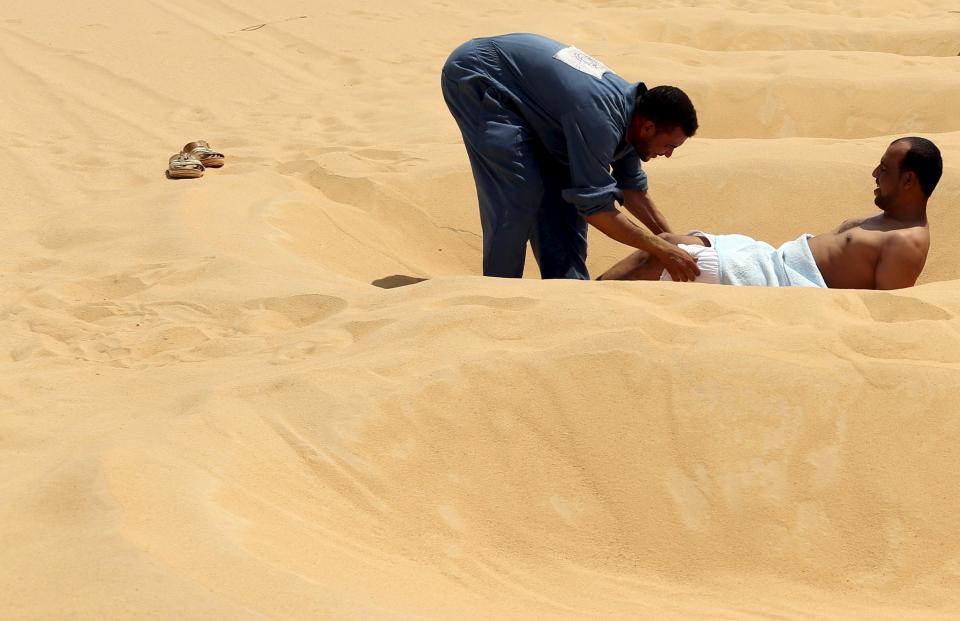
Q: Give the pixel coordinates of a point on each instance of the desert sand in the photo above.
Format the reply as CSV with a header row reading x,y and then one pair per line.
x,y
284,390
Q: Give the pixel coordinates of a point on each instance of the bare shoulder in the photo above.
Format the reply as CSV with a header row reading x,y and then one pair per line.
x,y
907,243
903,255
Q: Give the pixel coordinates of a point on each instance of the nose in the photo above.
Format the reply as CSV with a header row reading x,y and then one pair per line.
x,y
668,152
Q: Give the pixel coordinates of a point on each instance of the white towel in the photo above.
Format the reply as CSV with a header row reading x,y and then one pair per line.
x,y
747,262
707,261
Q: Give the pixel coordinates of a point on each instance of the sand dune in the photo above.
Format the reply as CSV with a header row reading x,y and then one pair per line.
x,y
284,391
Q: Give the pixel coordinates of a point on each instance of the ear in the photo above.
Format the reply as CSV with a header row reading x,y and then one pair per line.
x,y
908,179
648,129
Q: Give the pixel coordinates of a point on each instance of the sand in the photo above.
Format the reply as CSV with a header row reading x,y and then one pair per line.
x,y
284,390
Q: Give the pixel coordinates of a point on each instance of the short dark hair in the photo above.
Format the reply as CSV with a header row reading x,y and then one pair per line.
x,y
922,159
667,107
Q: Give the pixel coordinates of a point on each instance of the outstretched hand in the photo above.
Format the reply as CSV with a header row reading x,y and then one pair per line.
x,y
681,266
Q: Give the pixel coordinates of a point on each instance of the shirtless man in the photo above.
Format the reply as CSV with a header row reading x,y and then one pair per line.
x,y
883,251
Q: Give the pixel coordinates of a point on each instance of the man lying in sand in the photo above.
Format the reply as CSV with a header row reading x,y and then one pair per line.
x,y
884,251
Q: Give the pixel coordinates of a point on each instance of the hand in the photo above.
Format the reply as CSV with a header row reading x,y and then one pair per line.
x,y
681,266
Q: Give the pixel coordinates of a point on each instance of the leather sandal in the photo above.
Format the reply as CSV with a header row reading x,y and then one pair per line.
x,y
200,150
184,166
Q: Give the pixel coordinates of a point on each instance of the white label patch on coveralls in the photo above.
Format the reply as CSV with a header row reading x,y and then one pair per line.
x,y
581,61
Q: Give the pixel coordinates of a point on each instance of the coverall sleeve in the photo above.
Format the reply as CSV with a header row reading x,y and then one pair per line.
x,y
629,174
591,141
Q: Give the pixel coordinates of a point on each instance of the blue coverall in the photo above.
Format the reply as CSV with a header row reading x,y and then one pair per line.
x,y
547,143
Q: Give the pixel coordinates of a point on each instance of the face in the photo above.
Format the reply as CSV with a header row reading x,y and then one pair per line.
x,y
888,177
650,143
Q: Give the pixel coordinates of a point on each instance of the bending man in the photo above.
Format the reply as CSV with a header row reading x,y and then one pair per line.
x,y
884,251
554,137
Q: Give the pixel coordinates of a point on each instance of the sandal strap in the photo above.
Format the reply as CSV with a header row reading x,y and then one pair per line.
x,y
190,146
183,160
205,152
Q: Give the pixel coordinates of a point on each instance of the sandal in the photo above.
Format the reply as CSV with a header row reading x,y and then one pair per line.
x,y
184,166
200,150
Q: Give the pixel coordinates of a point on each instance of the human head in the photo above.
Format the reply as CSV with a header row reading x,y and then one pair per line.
x,y
908,171
663,118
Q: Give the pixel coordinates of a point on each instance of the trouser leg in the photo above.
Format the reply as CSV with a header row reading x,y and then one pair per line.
x,y
506,169
559,236
507,215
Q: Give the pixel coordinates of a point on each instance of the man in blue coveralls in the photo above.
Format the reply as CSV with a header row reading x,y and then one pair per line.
x,y
554,137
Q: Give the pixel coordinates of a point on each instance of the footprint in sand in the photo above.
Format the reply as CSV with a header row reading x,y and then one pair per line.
x,y
299,310
357,191
140,278
338,188
173,338
298,167
362,329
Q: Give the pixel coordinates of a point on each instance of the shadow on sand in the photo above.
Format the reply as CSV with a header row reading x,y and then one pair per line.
x,y
397,280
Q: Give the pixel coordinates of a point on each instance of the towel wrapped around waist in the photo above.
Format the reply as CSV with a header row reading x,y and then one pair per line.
x,y
745,261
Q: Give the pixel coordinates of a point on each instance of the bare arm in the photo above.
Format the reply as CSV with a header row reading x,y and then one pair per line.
x,y
641,206
615,225
900,264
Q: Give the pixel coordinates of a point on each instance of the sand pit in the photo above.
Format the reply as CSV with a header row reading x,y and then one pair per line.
x,y
283,390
